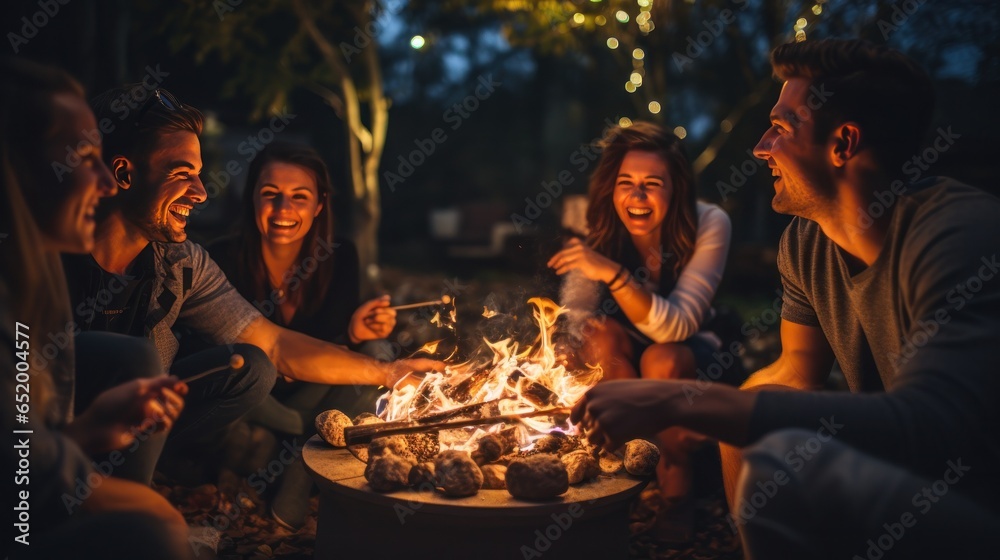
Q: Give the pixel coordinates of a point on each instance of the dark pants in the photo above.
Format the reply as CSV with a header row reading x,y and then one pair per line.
x,y
109,536
803,496
104,360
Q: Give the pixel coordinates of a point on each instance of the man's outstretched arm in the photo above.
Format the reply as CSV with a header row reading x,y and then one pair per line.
x,y
305,358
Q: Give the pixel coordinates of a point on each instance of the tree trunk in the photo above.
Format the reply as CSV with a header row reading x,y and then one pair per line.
x,y
365,145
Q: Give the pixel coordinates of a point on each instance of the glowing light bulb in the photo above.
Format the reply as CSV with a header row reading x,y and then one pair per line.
x,y
654,107
680,132
417,42
612,43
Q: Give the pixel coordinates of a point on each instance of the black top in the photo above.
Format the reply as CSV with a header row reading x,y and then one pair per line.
x,y
923,321
326,320
102,301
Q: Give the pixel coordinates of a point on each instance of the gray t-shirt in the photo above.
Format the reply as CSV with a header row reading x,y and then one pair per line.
x,y
923,321
188,290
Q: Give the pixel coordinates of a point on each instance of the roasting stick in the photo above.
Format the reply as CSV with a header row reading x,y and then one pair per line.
x,y
366,432
460,411
445,299
235,362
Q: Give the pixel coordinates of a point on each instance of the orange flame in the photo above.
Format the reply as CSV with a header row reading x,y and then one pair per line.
x,y
525,379
429,348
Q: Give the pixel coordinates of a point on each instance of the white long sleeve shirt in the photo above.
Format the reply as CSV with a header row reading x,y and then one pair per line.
x,y
679,315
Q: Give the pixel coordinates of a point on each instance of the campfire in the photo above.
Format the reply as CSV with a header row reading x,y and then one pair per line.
x,y
499,423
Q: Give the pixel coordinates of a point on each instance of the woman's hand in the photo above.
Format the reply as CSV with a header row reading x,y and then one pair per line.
x,y
578,256
372,320
117,415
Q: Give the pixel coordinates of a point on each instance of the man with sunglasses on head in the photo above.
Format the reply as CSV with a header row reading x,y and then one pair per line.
x,y
145,278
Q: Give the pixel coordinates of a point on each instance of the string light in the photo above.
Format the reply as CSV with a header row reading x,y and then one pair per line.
x,y
624,122
417,42
638,54
635,78
726,126
612,43
600,20
800,36
630,87
654,107
643,3
817,9
578,18
680,132
621,16
801,23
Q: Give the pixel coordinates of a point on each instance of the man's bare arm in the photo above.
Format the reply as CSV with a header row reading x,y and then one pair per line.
x,y
621,410
305,358
804,363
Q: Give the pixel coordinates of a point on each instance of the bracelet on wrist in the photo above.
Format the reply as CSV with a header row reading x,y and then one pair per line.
x,y
616,277
625,282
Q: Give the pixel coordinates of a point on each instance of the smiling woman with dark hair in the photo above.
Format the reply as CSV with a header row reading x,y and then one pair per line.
x,y
657,256
284,257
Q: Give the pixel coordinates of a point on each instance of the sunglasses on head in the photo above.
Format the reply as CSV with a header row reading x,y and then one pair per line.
x,y
166,100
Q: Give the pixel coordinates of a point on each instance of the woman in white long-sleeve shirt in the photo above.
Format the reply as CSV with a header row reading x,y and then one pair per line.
x,y
656,255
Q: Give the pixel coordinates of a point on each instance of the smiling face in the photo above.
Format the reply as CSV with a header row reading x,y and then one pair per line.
x,y
642,194
67,220
802,179
172,188
286,201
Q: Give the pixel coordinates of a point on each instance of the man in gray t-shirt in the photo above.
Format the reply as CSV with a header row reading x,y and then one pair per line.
x,y
145,277
896,281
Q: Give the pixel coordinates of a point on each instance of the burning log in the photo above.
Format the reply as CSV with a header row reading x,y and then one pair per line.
x,y
360,434
532,391
494,477
539,477
641,457
457,474
475,410
580,466
331,424
465,389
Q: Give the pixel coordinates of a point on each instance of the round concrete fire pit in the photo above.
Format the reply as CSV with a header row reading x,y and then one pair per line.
x,y
588,521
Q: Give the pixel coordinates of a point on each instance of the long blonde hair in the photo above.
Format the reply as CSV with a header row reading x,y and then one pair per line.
x,y
35,283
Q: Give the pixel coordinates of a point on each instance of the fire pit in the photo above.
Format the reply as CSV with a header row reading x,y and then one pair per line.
x,y
588,521
498,422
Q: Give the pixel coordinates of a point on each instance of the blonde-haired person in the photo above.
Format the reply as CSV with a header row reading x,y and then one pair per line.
x,y
45,209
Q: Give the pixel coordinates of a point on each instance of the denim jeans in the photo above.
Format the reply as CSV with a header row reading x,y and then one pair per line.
x,y
104,360
800,497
